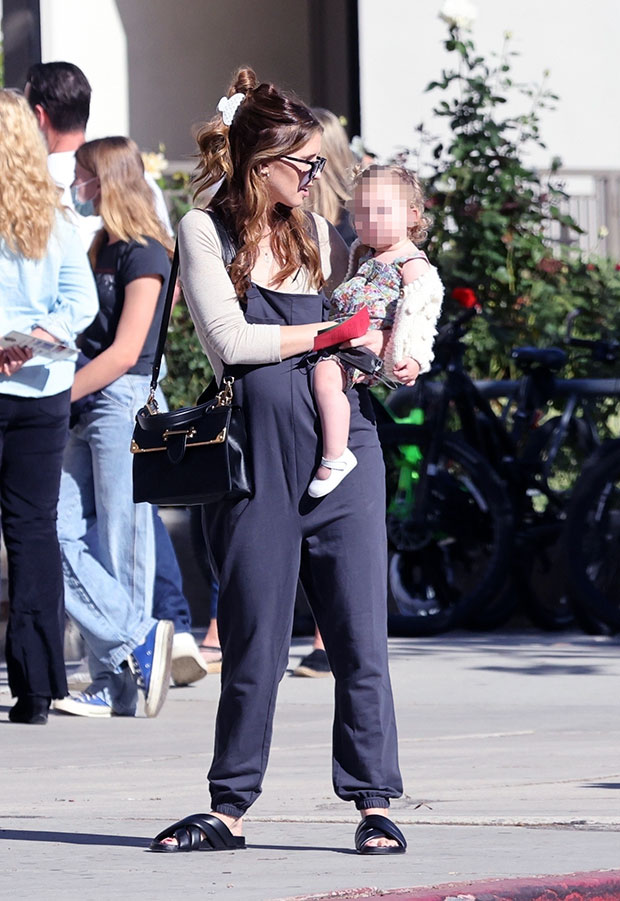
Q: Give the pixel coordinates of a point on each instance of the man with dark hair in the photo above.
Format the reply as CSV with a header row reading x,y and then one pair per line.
x,y
59,94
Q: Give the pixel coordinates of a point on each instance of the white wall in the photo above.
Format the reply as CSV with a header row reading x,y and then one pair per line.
x,y
401,50
90,34
157,67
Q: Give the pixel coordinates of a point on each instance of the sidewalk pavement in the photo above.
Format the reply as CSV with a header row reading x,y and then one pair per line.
x,y
509,750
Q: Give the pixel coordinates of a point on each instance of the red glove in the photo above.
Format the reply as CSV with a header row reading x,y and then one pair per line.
x,y
354,327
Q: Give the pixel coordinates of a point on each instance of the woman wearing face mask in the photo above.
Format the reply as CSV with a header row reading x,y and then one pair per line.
x,y
107,541
46,290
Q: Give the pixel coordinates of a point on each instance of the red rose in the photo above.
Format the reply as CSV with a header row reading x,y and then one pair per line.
x,y
465,296
590,267
617,267
550,265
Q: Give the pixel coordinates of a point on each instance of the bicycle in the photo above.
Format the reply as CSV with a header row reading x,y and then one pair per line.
x,y
519,464
592,541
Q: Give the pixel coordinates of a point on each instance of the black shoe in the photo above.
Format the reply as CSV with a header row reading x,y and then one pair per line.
x,y
31,710
314,665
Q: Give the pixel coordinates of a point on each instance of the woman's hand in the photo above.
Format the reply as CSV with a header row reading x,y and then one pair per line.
x,y
13,358
374,339
407,371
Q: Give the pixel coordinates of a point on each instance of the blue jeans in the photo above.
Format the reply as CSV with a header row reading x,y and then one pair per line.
x,y
107,541
169,602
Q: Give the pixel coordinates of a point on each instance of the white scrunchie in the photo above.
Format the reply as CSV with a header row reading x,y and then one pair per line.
x,y
228,106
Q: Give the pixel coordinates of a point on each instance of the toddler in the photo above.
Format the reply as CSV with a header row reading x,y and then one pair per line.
x,y
403,294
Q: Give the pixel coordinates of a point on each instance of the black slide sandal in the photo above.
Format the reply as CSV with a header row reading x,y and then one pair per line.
x,y
198,832
377,826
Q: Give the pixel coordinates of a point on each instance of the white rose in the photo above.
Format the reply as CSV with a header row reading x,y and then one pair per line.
x,y
603,231
154,163
459,13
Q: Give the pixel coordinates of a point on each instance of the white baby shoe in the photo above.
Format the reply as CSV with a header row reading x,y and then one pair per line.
x,y
340,467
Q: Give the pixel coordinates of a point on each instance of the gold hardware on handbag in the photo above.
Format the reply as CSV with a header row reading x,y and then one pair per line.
x,y
195,455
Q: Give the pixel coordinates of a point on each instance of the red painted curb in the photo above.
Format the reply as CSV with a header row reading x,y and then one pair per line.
x,y
596,886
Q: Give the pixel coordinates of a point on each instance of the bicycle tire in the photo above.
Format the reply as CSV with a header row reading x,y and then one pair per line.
x,y
440,577
497,611
592,539
541,584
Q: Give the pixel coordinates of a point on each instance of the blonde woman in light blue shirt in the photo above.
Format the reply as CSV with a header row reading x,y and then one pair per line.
x,y
47,290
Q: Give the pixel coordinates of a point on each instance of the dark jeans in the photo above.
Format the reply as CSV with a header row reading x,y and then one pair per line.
x,y
169,602
33,433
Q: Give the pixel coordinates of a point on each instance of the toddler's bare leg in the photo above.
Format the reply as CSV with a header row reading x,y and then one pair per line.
x,y
334,411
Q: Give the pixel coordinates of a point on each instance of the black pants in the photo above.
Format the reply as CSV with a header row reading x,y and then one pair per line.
x,y
33,433
338,545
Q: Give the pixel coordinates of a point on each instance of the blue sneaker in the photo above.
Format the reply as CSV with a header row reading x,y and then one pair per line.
x,y
85,704
150,664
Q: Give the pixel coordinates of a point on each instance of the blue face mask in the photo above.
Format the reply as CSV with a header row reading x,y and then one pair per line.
x,y
82,207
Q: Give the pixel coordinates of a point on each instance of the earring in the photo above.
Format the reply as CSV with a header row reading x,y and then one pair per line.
x,y
265,173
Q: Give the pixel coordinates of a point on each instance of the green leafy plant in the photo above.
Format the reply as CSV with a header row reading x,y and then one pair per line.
x,y
189,371
492,213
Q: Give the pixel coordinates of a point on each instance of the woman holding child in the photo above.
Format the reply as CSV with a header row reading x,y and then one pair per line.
x,y
257,320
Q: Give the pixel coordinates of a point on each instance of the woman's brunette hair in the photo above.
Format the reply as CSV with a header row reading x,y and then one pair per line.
x,y
268,124
127,205
29,199
333,189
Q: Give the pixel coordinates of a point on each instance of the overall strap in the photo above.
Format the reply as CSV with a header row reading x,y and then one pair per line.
x,y
313,227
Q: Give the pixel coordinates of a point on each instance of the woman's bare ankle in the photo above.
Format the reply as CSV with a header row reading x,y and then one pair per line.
x,y
235,824
378,842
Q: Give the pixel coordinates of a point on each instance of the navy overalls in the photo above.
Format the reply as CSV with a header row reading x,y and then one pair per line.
x,y
338,544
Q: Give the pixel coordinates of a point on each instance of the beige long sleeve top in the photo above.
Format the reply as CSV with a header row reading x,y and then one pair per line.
x,y
225,336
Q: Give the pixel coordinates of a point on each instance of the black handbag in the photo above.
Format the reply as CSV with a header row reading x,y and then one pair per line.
x,y
195,455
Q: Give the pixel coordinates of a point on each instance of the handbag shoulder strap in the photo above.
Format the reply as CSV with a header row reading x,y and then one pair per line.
x,y
229,252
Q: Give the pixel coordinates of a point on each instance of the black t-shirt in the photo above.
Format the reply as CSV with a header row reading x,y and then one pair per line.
x,y
117,265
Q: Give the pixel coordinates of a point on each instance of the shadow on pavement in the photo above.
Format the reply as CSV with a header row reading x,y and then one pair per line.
x,y
73,838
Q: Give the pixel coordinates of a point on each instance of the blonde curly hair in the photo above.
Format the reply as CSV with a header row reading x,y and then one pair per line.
x,y
29,198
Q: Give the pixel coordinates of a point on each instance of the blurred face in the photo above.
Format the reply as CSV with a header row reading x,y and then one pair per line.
x,y
86,185
289,180
382,210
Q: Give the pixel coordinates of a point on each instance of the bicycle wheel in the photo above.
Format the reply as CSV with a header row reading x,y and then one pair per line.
x,y
541,584
592,539
447,568
559,468
497,610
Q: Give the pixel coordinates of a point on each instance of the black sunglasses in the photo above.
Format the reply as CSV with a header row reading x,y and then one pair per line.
x,y
316,165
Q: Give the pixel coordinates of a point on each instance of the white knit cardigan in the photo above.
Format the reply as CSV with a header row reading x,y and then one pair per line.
x,y
415,322
417,313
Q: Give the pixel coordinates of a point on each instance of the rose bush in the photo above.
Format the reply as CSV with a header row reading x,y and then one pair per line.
x,y
491,215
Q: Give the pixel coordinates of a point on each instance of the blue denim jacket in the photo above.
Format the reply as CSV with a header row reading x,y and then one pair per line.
x,y
56,293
